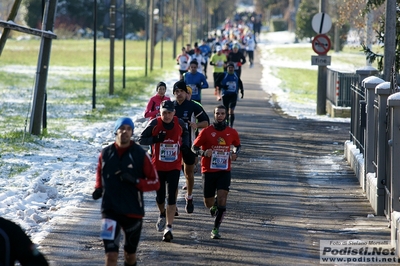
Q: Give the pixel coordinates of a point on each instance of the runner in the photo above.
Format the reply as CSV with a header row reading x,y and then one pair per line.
x,y
237,58
189,111
189,49
214,146
200,60
196,163
195,80
167,136
218,60
206,53
124,172
153,106
250,46
230,84
183,61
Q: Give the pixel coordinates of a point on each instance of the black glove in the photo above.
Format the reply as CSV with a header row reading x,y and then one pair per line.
x,y
242,93
160,137
97,193
125,177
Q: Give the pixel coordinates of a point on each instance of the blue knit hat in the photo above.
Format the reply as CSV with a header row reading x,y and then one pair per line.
x,y
123,121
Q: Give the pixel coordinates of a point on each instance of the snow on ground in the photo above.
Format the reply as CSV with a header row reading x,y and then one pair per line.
x,y
60,172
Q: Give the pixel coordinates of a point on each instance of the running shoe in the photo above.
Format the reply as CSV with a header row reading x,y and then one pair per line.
x,y
167,237
176,212
215,234
189,206
213,211
160,225
184,187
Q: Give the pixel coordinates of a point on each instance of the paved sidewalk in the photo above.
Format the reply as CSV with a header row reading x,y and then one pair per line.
x,y
291,187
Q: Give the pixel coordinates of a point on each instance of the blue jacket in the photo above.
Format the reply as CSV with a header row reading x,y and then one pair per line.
x,y
205,51
197,82
230,83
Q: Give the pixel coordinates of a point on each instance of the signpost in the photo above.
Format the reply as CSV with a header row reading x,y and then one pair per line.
x,y
321,44
321,23
320,60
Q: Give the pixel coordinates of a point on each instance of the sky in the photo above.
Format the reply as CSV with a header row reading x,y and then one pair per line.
x,y
61,171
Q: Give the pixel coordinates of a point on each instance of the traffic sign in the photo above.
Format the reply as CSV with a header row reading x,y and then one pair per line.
x,y
321,23
321,44
320,60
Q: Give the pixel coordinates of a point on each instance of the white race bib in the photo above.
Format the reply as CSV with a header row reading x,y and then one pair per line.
x,y
195,90
219,160
231,86
108,227
168,152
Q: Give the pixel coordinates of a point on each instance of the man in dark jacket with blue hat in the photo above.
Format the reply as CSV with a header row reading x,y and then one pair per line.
x,y
124,172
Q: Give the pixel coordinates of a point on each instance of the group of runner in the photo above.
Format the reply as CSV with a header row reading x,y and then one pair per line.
x,y
178,134
125,170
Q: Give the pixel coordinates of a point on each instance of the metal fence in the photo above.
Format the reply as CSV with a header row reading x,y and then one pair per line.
x,y
357,122
338,89
372,130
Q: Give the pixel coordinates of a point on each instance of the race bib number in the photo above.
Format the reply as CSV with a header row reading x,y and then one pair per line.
x,y
231,86
168,152
219,160
195,90
108,228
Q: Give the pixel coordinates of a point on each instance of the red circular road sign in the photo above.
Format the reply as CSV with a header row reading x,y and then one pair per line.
x,y
321,44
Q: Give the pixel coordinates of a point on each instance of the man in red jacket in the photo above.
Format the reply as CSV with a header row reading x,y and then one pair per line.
x,y
124,172
168,136
214,146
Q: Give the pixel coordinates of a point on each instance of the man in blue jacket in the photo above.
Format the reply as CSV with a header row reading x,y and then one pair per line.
x,y
195,80
230,84
206,53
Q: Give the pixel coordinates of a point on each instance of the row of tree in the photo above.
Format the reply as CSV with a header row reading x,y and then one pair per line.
x,y
73,16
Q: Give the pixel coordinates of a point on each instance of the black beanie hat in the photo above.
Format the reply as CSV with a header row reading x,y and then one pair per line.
x,y
161,84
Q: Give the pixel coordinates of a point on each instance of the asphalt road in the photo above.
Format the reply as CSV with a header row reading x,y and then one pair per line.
x,y
291,187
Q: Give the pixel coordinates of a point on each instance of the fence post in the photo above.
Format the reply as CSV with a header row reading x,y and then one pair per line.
x,y
383,92
365,72
370,84
394,144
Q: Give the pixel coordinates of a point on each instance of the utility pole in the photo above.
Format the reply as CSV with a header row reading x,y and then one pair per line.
x,y
124,47
112,42
174,55
161,22
183,23
191,17
322,72
390,38
39,98
94,54
152,35
147,37
369,32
